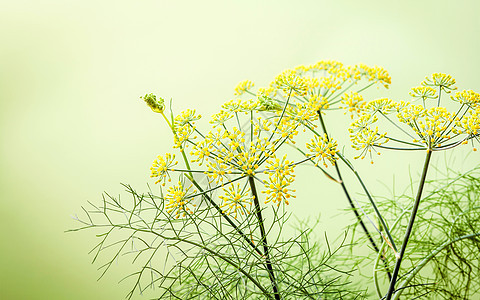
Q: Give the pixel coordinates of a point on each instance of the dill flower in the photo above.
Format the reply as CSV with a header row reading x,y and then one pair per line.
x,y
220,118
161,166
365,140
267,92
430,125
375,74
423,92
323,149
316,103
236,200
290,82
277,190
382,105
353,102
182,135
186,117
330,66
469,98
443,81
330,84
279,167
154,104
243,86
178,197
279,179
470,124
238,105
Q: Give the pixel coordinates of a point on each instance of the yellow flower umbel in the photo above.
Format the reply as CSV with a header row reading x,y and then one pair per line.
x,y
178,198
468,98
236,200
443,81
161,166
323,149
430,125
243,86
353,102
423,93
280,176
434,128
304,91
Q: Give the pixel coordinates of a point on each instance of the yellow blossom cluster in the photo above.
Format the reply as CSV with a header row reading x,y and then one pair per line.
x,y
434,128
280,177
221,117
469,98
184,127
383,105
185,117
178,198
423,93
430,125
469,124
443,81
236,200
243,86
353,102
239,105
317,87
161,166
364,137
290,83
375,74
323,149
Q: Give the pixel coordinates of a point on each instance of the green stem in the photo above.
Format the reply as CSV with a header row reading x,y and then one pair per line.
x,y
192,180
264,237
347,195
391,289
370,198
375,266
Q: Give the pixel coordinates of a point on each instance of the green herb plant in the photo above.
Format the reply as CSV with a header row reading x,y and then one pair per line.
x,y
219,226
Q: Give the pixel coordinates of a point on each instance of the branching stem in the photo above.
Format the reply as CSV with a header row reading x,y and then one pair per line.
x,y
393,281
264,237
347,195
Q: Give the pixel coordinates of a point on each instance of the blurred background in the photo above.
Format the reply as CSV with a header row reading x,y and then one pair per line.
x,y
72,125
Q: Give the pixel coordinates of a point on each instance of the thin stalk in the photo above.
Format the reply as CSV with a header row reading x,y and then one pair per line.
x,y
352,205
394,124
375,266
192,180
430,257
393,281
264,237
212,252
370,198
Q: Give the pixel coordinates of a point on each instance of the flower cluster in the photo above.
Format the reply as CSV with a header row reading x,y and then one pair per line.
x,y
154,104
280,177
323,149
353,102
308,89
243,86
434,127
184,127
178,198
161,166
236,200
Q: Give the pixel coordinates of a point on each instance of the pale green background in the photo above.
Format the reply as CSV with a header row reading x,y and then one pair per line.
x,y
72,125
